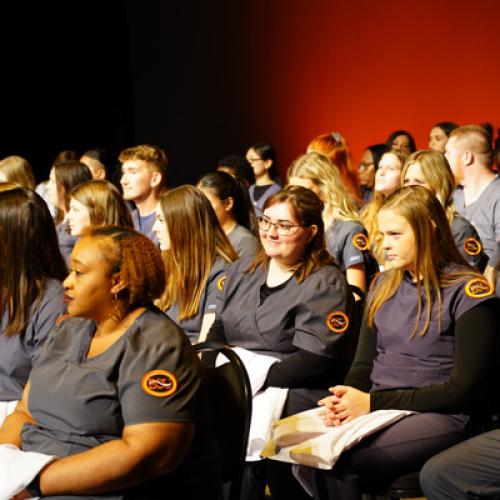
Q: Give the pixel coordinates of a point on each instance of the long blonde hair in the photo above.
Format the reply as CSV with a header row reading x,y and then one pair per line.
x,y
196,240
438,175
435,249
323,173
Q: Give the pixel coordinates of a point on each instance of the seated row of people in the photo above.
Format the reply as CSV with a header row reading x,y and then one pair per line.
x,y
119,358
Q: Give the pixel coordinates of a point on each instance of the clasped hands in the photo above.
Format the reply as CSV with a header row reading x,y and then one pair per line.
x,y
345,404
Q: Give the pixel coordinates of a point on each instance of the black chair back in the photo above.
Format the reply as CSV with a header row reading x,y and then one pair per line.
x,y
230,398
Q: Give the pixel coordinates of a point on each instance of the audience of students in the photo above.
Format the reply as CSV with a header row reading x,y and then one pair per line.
x,y
117,382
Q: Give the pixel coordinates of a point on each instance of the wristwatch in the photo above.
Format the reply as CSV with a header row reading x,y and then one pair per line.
x,y
34,487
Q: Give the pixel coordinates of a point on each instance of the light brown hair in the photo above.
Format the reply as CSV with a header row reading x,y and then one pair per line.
x,y
104,203
438,175
435,249
17,169
154,156
196,240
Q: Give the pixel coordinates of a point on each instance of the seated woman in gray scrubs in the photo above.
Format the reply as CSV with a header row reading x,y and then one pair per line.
x,y
31,292
346,238
431,170
196,252
231,203
114,394
426,344
291,302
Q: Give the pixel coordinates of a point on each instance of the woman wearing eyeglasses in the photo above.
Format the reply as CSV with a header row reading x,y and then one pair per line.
x,y
262,159
291,302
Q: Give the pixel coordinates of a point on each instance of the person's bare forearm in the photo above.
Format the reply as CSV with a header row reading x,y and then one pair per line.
x,y
118,464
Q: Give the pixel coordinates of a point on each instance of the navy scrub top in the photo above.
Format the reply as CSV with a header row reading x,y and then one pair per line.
x,y
18,353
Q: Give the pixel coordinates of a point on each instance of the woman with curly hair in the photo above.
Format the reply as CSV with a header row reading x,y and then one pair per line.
x,y
112,402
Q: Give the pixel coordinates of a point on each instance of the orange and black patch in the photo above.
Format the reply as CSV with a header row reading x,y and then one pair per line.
x,y
337,321
159,383
221,282
477,288
360,241
61,318
472,246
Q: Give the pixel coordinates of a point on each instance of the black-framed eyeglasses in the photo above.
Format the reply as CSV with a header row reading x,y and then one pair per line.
x,y
282,228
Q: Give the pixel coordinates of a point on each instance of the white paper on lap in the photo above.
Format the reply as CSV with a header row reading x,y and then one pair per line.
x,y
18,468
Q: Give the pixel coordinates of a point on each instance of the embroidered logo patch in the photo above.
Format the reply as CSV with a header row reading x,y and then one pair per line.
x,y
472,246
221,282
360,241
159,383
477,288
61,318
337,321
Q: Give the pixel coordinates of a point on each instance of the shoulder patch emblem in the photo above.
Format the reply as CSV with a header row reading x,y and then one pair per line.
x,y
221,282
61,318
159,383
477,288
337,321
360,241
472,246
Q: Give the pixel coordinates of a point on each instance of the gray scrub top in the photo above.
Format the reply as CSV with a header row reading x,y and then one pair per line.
x,y
18,353
244,242
314,316
468,242
150,374
66,240
208,303
484,215
404,360
345,244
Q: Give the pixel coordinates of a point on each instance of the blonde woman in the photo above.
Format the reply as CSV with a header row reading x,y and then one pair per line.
x,y
196,252
96,203
427,343
431,170
345,236
17,169
387,181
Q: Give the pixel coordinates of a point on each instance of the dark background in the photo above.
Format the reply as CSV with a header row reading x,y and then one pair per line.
x,y
206,79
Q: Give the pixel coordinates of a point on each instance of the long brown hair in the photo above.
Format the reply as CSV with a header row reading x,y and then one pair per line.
x,y
196,240
29,255
307,208
435,249
104,203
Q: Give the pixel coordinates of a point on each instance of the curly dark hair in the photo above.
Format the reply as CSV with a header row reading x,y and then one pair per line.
x,y
136,258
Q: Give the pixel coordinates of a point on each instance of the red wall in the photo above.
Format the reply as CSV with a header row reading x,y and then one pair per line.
x,y
368,67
